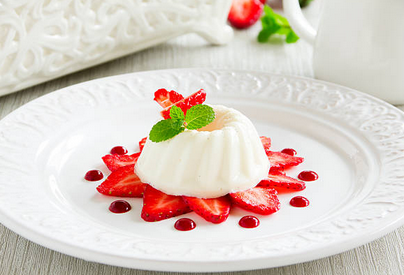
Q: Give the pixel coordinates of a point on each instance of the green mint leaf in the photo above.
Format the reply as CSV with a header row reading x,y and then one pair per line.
x,y
273,23
176,113
264,35
269,11
267,21
166,129
283,31
282,21
292,37
199,116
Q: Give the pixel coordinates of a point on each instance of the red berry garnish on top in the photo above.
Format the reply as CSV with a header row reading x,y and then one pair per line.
x,y
119,150
94,175
166,98
185,104
244,13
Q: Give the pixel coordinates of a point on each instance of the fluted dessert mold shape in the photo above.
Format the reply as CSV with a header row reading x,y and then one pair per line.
x,y
223,157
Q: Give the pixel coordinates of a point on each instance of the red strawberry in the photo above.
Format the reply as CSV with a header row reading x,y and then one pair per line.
x,y
185,104
158,206
244,13
113,162
213,210
278,179
266,142
258,200
280,160
123,182
142,142
167,98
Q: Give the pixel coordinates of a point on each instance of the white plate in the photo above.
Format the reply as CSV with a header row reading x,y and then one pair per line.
x,y
353,141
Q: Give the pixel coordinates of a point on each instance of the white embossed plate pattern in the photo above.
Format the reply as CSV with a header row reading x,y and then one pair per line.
x,y
353,141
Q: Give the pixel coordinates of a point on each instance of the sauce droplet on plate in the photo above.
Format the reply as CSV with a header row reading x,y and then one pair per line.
x,y
249,222
94,175
120,206
119,150
184,224
308,175
289,151
299,201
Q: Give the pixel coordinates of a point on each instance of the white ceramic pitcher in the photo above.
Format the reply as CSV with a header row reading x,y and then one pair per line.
x,y
359,44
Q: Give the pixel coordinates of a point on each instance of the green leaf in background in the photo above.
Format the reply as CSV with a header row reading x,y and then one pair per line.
x,y
176,113
291,37
273,23
166,129
199,116
304,3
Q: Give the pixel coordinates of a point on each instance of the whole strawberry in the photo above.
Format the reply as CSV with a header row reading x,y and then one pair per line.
x,y
244,13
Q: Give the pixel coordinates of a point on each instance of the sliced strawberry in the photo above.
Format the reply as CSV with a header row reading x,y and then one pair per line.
x,y
278,179
258,200
280,160
113,162
142,142
266,142
123,182
167,98
158,206
185,104
213,210
244,13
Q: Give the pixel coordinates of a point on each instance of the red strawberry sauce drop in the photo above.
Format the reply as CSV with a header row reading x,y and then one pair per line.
x,y
184,224
249,222
299,201
308,176
94,175
119,206
119,150
289,151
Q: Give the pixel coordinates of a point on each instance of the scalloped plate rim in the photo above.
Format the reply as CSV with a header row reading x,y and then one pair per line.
x,y
255,263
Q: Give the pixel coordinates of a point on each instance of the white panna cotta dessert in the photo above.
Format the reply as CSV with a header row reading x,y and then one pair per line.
x,y
223,157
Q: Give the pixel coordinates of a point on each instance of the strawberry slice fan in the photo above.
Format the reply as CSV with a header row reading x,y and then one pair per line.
x,y
157,206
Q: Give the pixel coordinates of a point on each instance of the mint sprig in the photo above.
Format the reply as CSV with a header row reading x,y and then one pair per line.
x,y
166,129
197,116
273,23
176,113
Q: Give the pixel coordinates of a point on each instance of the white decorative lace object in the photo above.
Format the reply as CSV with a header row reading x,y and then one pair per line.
x,y
45,39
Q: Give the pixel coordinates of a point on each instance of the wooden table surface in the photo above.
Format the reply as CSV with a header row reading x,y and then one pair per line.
x,y
21,256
